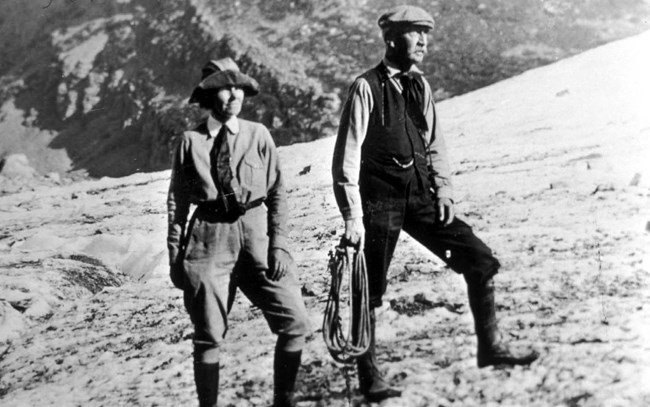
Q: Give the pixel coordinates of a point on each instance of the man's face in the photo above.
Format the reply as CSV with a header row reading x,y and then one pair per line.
x,y
227,102
410,43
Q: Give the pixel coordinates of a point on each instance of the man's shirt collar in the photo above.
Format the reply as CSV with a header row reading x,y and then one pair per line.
x,y
214,126
393,70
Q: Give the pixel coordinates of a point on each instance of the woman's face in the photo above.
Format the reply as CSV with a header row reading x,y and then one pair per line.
x,y
227,102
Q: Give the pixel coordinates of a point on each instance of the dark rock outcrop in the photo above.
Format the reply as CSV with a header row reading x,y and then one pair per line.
x,y
101,86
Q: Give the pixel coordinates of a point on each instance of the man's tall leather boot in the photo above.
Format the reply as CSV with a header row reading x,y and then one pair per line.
x,y
491,348
371,383
285,370
206,378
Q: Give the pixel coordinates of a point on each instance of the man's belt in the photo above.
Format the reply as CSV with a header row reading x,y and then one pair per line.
x,y
229,208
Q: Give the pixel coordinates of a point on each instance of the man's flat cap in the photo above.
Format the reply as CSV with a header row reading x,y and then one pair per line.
x,y
405,15
217,74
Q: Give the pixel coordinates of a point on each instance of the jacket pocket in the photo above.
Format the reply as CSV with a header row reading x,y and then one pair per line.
x,y
201,241
254,174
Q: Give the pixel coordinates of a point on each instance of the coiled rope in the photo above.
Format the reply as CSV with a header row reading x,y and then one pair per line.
x,y
345,348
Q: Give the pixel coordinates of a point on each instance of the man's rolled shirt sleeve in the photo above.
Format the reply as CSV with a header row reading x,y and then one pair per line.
x,y
178,203
437,150
346,162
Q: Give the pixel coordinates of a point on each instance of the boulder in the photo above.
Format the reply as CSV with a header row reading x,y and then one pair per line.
x,y
16,166
11,322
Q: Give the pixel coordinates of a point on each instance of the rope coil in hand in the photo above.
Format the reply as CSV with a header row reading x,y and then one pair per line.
x,y
343,347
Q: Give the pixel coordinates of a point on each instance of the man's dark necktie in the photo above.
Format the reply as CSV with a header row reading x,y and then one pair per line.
x,y
222,173
413,91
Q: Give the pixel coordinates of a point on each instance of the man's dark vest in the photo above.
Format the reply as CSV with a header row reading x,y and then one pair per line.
x,y
393,146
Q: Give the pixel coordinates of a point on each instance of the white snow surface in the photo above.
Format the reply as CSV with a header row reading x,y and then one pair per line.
x,y
552,169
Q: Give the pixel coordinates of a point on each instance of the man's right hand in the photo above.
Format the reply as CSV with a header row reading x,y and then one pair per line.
x,y
354,233
177,274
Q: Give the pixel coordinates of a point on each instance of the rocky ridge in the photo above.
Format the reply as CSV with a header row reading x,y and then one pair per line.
x,y
99,88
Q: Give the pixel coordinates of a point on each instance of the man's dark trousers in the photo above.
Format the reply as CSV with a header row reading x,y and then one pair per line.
x,y
391,205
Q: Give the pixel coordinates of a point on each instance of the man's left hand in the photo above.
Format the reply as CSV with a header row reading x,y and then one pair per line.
x,y
280,262
445,209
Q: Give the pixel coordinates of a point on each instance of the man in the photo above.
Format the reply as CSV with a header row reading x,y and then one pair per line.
x,y
237,237
391,172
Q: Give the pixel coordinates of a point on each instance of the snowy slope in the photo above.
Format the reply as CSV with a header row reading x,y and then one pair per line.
x,y
552,170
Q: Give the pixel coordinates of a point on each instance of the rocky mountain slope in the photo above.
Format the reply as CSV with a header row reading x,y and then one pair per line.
x,y
100,87
551,169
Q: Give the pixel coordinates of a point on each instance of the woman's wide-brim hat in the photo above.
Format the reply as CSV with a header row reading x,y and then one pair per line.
x,y
221,73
